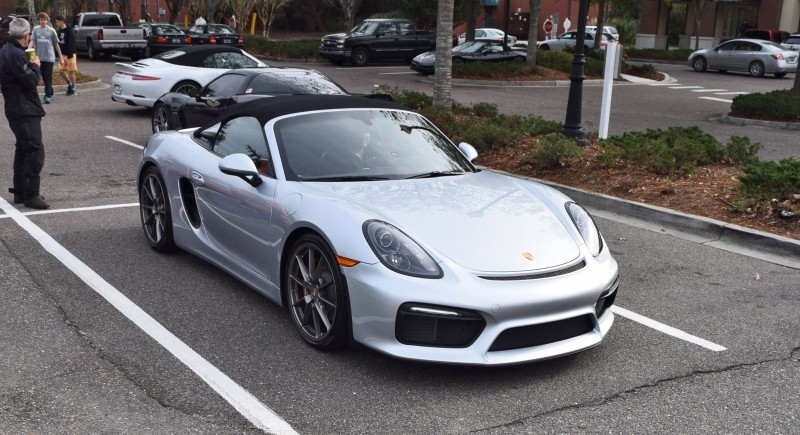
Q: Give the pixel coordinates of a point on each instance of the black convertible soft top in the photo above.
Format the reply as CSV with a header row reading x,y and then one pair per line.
x,y
265,109
194,54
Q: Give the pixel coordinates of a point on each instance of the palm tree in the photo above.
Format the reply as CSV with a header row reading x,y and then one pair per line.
x,y
533,28
443,69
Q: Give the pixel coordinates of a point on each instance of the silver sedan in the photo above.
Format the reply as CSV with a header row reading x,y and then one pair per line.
x,y
754,56
369,225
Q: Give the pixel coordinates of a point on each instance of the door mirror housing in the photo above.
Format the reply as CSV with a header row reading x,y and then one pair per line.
x,y
239,165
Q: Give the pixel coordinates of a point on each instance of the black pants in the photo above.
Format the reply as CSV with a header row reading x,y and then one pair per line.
x,y
47,76
28,156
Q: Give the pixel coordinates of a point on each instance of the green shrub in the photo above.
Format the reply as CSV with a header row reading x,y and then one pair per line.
x,y
485,134
553,150
627,28
675,150
289,48
655,54
485,110
765,180
741,151
776,105
643,70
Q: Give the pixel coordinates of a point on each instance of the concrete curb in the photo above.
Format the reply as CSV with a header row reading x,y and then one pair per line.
x,y
88,86
732,120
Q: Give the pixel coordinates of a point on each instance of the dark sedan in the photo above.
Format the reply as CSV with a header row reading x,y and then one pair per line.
x,y
163,37
174,111
484,50
221,34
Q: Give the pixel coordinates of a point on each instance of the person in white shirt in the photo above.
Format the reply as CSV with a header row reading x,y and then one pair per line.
x,y
200,20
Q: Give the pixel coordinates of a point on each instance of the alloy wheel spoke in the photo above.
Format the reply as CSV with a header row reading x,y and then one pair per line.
x,y
315,316
303,269
327,302
323,316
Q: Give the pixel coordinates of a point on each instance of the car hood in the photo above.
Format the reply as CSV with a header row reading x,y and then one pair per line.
x,y
427,56
484,221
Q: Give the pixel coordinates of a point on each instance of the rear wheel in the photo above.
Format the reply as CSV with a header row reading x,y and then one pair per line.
x,y
360,56
315,293
160,118
518,59
699,64
183,87
544,47
148,52
155,211
91,52
756,69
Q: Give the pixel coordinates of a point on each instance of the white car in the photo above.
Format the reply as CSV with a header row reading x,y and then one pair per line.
x,y
792,42
488,33
611,30
141,83
569,39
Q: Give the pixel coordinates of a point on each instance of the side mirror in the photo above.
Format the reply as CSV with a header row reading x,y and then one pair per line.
x,y
239,165
468,150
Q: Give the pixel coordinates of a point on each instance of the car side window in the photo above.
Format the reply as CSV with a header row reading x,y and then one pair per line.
x,y
406,28
244,135
388,29
480,34
729,46
224,86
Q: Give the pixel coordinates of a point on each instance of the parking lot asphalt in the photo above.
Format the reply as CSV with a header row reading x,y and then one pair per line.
x,y
71,364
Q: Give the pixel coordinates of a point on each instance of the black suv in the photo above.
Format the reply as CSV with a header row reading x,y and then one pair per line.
x,y
4,26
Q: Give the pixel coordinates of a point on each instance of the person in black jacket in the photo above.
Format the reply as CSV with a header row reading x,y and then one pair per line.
x,y
19,77
66,40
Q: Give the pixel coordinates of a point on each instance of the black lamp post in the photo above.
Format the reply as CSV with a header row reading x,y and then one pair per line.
x,y
572,125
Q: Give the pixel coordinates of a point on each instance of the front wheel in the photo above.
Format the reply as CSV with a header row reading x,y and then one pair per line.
x,y
160,118
780,75
544,47
155,211
699,64
316,293
360,56
756,69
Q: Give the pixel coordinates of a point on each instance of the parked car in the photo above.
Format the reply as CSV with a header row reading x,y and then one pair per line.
x,y
175,110
792,42
611,30
4,21
754,56
489,33
102,34
377,39
487,50
181,70
776,36
333,207
163,37
569,39
214,34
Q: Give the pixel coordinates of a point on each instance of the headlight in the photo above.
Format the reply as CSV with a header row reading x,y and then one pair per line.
x,y
585,225
398,252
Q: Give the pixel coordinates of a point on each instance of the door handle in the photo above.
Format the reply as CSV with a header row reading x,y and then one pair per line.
x,y
197,179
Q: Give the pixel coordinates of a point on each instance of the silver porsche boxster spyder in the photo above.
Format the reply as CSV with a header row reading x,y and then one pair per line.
x,y
369,225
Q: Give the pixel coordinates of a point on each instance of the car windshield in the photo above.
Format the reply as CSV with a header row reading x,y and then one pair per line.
x,y
365,27
220,29
364,144
294,83
166,30
469,47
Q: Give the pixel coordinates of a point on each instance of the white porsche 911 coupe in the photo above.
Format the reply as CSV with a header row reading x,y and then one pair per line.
x,y
368,224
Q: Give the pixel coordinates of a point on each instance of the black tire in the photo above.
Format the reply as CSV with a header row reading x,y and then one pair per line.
x,y
148,52
91,52
184,86
544,47
518,59
159,119
337,61
458,60
700,64
780,75
316,294
360,56
756,69
154,211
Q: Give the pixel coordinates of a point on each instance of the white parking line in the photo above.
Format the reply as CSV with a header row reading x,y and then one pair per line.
x,y
685,87
732,93
709,90
669,330
248,405
716,99
663,84
125,142
64,210
397,73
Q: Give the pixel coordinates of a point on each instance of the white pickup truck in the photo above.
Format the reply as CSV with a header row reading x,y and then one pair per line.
x,y
102,33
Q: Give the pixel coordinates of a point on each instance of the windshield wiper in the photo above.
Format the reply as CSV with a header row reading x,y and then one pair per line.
x,y
435,174
345,178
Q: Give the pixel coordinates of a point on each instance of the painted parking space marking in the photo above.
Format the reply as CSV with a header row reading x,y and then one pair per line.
x,y
666,329
125,142
76,209
732,93
717,99
245,403
397,73
709,90
685,87
663,84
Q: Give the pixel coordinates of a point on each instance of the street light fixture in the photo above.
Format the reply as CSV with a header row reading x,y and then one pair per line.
x,y
572,124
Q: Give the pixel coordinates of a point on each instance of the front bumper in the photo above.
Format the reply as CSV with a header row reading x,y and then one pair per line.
x,y
512,312
420,68
332,53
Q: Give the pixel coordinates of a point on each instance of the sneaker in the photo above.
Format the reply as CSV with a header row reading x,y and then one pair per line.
x,y
37,202
71,91
47,99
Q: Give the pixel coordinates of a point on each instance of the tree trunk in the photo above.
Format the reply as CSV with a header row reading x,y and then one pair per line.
x,y
470,9
601,23
533,30
443,69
